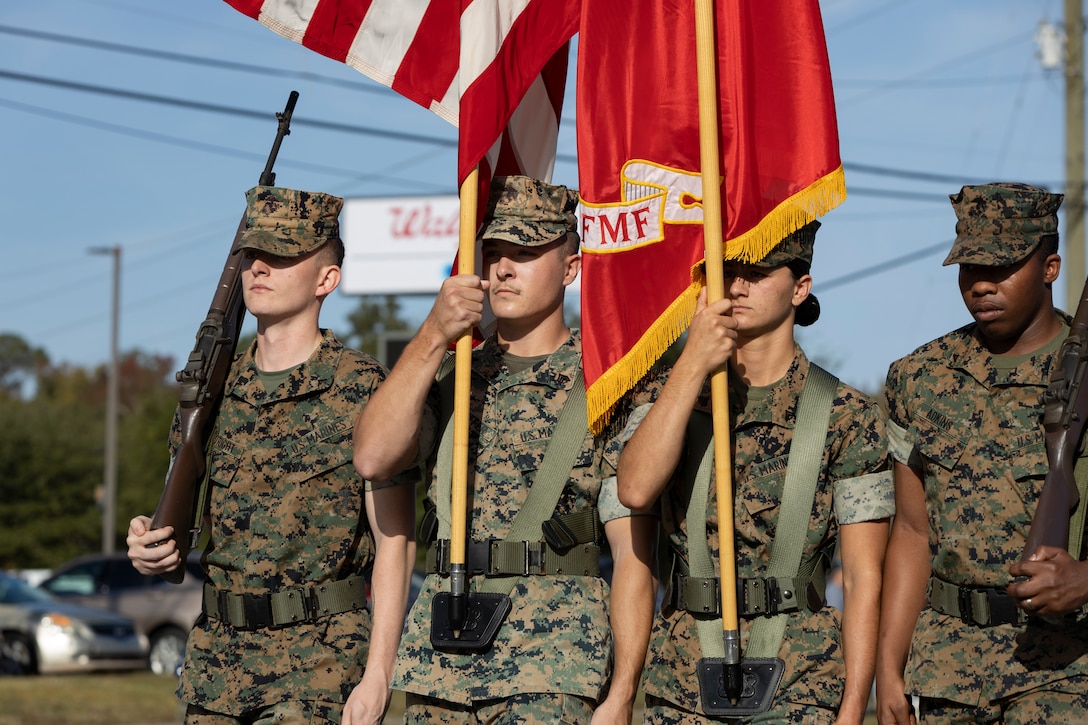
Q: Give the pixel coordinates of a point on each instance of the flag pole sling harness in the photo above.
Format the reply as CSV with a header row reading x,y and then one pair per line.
x,y
487,607
452,628
762,669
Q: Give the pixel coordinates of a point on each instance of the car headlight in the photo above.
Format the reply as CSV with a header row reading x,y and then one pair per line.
x,y
57,624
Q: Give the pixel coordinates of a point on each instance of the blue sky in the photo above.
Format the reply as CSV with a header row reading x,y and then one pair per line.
x,y
930,95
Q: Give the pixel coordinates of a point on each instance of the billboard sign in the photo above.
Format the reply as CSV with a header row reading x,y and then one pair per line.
x,y
398,245
401,245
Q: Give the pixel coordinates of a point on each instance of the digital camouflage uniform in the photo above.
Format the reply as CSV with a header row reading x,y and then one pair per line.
x,y
286,507
286,510
969,424
855,485
556,638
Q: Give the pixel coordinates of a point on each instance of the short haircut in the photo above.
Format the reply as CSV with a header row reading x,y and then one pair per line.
x,y
572,244
333,251
1049,244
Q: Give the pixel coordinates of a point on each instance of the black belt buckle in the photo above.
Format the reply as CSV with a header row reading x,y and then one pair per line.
x,y
258,611
441,550
221,610
966,606
771,595
313,605
1002,607
558,534
534,557
769,603
670,598
478,555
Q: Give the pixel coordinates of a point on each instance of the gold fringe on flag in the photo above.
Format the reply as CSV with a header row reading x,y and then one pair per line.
x,y
813,201
606,391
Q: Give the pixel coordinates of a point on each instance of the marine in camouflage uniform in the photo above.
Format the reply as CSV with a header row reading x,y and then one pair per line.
x,y
287,511
853,498
552,659
966,435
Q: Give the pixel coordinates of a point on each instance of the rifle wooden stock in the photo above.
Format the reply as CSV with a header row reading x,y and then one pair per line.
x,y
1065,411
203,382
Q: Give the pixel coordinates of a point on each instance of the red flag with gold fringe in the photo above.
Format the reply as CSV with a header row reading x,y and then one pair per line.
x,y
639,168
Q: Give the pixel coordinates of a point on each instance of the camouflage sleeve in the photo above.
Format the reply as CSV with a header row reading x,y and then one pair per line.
x,y
860,466
865,498
901,444
640,402
609,507
417,472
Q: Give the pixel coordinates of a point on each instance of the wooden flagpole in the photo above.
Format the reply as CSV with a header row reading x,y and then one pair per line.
x,y
466,264
706,64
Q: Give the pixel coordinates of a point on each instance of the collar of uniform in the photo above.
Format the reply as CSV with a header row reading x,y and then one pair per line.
x,y
781,397
555,372
780,405
314,375
972,357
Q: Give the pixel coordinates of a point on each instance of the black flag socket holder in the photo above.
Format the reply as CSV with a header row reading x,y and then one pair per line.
x,y
467,622
759,682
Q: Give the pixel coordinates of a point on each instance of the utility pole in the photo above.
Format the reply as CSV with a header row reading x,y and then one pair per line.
x,y
1074,266
109,489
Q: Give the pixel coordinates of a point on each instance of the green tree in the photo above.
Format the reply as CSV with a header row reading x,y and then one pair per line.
x,y
52,451
50,469
375,316
19,364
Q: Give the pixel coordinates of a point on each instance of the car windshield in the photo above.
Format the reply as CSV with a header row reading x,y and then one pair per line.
x,y
16,591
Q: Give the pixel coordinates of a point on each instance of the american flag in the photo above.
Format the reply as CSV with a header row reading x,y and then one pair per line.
x,y
494,68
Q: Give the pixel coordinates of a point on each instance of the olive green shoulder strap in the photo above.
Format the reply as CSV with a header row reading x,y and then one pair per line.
x,y
798,494
550,479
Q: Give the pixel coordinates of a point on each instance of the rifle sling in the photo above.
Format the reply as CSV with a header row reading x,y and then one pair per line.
x,y
798,494
1076,522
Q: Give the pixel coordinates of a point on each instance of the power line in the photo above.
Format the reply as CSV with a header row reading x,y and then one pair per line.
x,y
227,110
370,87
211,148
999,46
196,60
354,129
885,266
926,175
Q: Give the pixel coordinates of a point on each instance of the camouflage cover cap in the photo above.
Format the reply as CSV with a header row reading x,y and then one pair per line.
x,y
529,212
1000,224
795,245
289,223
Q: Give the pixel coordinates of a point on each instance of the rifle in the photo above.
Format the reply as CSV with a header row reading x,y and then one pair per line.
x,y
1065,411
203,380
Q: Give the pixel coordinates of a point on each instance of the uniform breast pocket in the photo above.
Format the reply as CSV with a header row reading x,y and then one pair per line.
x,y
936,440
1029,466
312,456
224,464
527,455
761,496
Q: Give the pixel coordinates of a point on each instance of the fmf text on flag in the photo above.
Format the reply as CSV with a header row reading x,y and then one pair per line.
x,y
639,163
